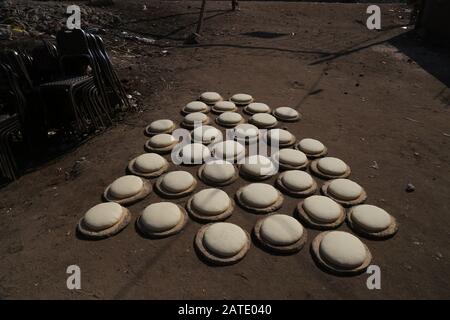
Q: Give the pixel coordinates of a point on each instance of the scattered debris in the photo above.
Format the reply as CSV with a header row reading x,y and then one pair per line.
x,y
412,120
410,187
375,165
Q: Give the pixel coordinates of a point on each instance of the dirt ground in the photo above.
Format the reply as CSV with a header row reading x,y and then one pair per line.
x,y
373,97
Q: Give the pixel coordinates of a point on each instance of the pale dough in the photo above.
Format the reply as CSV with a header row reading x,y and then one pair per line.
x,y
311,146
126,186
345,189
195,117
332,166
228,149
258,107
281,135
162,140
225,106
177,181
196,106
224,239
103,216
230,118
219,171
194,153
160,216
259,195
211,202
210,97
286,113
281,230
241,98
371,218
206,134
246,131
149,162
264,119
342,250
297,180
291,157
161,125
258,165
322,209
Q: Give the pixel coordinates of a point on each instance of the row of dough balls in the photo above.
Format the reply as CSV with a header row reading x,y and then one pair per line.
x,y
213,204
226,243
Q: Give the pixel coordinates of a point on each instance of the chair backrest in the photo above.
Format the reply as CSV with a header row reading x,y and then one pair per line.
x,y
74,53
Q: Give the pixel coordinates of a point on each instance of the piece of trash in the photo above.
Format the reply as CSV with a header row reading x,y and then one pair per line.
x,y
137,93
375,165
412,120
144,7
446,134
410,187
404,27
129,96
145,40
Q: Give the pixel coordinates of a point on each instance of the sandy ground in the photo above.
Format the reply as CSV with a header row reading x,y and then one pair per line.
x,y
370,96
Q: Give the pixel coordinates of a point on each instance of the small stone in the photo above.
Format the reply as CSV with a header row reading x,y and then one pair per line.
x,y
410,187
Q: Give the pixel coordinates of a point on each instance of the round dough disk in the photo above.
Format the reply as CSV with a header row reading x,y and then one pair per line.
x,y
311,146
219,171
241,98
281,230
322,209
195,117
371,218
103,216
177,181
297,180
258,165
194,153
246,131
126,186
224,239
281,135
258,107
224,106
196,106
286,113
264,120
160,216
161,125
206,134
210,97
332,166
211,202
259,195
228,149
149,162
162,140
342,250
345,189
291,157
230,118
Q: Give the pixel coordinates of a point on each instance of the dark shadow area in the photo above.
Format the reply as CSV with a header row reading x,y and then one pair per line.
x,y
433,59
264,34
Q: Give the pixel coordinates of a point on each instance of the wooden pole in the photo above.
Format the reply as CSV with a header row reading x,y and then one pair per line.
x,y
200,18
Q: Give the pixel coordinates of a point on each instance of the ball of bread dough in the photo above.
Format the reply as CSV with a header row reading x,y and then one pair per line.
x,y
241,98
162,140
228,149
279,135
246,131
210,97
286,113
259,195
194,153
195,117
219,171
297,180
211,202
345,189
263,120
224,106
258,107
258,166
196,106
103,216
281,230
332,166
161,125
371,218
322,209
290,157
224,239
311,146
160,216
177,181
126,186
342,250
230,118
149,162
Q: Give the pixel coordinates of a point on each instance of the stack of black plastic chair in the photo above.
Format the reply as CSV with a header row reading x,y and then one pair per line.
x,y
12,104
